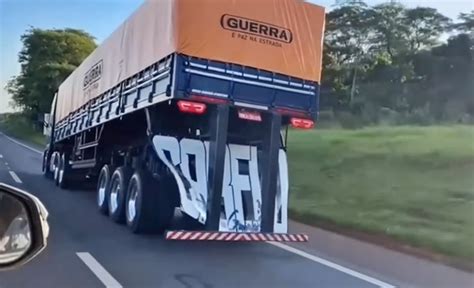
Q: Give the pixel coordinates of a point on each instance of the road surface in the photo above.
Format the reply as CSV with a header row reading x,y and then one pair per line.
x,y
86,249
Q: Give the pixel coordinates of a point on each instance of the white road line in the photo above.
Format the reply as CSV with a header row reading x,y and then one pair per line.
x,y
98,270
15,177
1,156
21,144
332,265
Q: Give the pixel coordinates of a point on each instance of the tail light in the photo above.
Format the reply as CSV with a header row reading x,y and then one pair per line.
x,y
191,107
302,123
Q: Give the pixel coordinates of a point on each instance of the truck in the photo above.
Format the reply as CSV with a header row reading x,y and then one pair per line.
x,y
185,108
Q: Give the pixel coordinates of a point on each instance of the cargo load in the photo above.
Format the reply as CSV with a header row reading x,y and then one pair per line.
x,y
280,36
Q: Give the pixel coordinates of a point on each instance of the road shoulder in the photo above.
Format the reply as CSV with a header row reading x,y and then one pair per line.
x,y
378,260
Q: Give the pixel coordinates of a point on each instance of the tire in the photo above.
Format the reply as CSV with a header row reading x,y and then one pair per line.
x,y
54,166
148,208
47,172
117,193
64,174
102,189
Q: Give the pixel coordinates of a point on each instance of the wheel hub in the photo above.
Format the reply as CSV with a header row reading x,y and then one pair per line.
x,y
101,192
114,194
131,203
61,173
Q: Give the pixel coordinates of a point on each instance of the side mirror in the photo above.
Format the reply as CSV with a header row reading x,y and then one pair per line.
x,y
46,121
23,227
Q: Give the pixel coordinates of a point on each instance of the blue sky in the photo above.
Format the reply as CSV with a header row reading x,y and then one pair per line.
x,y
101,17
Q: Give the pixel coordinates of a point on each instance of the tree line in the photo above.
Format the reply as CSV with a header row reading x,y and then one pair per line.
x,y
390,63
381,63
46,59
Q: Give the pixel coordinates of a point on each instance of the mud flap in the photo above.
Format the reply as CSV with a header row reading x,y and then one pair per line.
x,y
245,181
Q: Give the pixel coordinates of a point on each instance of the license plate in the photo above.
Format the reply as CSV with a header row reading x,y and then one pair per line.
x,y
250,115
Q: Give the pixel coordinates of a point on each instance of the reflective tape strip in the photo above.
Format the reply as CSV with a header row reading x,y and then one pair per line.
x,y
205,236
176,235
195,236
213,236
234,236
222,236
231,237
186,235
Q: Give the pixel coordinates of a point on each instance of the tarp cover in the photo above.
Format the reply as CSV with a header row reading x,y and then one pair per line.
x,y
283,36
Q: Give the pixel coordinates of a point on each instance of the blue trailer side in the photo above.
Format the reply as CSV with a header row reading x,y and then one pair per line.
x,y
180,77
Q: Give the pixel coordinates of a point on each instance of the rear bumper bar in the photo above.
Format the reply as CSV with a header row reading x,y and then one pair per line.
x,y
234,236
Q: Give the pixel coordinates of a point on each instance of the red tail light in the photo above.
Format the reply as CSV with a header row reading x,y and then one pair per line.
x,y
191,107
302,123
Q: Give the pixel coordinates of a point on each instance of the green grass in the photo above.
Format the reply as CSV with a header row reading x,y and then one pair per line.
x,y
415,184
18,126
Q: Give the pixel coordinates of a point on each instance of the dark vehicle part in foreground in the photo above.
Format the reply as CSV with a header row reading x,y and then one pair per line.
x,y
24,229
199,128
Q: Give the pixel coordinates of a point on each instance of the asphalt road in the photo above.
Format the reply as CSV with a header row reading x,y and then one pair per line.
x,y
86,249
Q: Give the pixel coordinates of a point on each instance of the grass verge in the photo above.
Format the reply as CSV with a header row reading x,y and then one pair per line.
x,y
414,184
18,126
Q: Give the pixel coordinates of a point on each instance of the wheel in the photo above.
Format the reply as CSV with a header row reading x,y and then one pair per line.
x,y
47,172
148,208
64,173
103,185
54,166
117,192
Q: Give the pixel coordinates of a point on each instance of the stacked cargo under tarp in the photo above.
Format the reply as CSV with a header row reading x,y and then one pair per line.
x,y
281,36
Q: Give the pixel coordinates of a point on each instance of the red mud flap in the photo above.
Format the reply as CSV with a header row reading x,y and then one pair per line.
x,y
233,236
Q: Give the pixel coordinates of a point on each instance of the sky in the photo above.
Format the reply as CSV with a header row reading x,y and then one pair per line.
x,y
101,17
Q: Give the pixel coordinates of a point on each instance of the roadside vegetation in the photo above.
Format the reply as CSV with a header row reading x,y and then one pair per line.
x,y
414,184
389,64
19,126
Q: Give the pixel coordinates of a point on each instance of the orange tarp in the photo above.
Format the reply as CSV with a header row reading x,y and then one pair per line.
x,y
283,36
